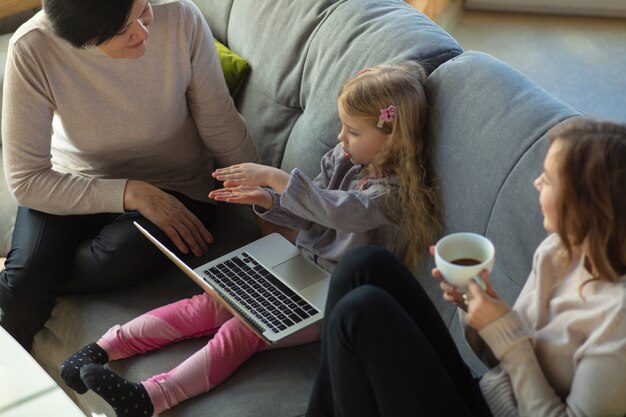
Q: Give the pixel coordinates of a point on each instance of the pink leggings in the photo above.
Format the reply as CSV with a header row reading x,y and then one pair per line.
x,y
232,344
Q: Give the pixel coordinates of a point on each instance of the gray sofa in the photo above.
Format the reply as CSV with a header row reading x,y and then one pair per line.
x,y
486,124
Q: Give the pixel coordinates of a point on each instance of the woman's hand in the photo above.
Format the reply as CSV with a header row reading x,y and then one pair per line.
x,y
244,195
484,307
183,228
252,174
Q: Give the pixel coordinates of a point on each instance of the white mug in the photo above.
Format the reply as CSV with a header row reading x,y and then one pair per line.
x,y
462,256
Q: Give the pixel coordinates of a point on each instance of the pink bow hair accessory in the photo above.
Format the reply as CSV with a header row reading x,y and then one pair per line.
x,y
386,115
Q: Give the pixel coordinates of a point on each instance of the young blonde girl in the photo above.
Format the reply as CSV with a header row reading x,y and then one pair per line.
x,y
379,164
561,349
372,189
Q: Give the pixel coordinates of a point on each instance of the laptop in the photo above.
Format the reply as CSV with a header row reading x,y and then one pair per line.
x,y
267,284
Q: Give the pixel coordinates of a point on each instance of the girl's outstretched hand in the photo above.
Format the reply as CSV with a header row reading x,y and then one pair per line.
x,y
243,194
252,174
484,307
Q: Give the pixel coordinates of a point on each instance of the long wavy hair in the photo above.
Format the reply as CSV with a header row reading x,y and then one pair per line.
x,y
591,206
405,155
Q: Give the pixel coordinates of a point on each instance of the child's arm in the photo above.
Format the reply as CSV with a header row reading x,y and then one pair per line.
x,y
303,201
244,195
350,210
252,174
241,185
265,201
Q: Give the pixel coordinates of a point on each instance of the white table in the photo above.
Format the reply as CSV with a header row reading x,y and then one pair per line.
x,y
26,390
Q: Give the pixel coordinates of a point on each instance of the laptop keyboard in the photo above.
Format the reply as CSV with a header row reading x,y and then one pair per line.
x,y
253,286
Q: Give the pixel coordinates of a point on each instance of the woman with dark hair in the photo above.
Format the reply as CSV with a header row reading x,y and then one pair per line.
x,y
559,351
114,111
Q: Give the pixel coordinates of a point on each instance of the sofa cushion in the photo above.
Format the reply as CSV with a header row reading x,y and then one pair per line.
x,y
300,56
234,67
487,124
217,15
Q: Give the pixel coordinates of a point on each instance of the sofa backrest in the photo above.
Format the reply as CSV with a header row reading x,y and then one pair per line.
x,y
488,126
301,52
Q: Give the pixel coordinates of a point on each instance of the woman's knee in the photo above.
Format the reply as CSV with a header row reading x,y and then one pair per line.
x,y
118,256
366,264
41,248
364,309
367,256
364,258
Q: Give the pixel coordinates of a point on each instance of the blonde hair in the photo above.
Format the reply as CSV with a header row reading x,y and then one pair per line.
x,y
592,201
404,156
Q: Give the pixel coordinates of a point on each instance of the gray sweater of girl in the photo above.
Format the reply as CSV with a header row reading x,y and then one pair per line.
x,y
337,211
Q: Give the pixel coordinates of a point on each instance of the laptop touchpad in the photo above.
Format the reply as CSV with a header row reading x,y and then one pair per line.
x,y
300,272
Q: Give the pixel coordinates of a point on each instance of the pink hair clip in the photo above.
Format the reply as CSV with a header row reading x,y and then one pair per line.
x,y
386,115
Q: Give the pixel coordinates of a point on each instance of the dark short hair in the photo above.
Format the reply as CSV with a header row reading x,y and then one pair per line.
x,y
87,22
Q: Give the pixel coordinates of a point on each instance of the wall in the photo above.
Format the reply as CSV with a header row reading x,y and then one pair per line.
x,y
431,8
14,12
11,7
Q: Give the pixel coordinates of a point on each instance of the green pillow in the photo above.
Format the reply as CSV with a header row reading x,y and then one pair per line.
x,y
234,68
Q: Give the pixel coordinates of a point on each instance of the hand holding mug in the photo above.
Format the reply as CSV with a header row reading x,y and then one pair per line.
x,y
463,262
483,306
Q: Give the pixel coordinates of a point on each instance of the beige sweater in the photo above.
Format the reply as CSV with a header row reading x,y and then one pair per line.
x,y
559,354
78,124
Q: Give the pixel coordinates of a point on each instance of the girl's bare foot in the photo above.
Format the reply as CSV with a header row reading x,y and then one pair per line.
x,y
2,263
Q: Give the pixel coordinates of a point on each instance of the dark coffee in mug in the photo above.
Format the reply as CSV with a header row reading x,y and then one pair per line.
x,y
465,261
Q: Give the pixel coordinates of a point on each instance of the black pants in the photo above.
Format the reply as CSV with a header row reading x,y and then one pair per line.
x,y
52,255
385,349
